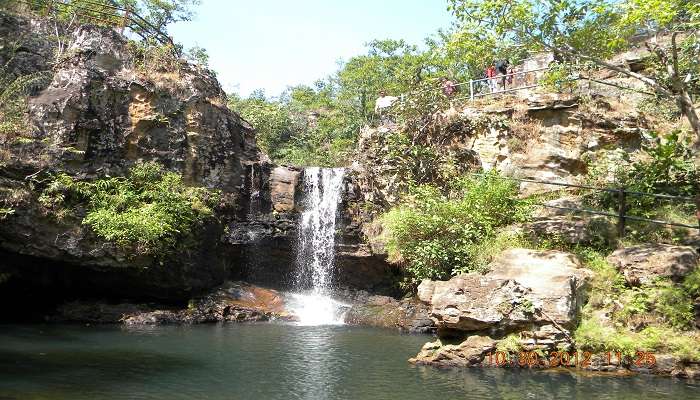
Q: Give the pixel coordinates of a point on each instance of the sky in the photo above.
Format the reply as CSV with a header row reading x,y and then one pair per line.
x,y
272,44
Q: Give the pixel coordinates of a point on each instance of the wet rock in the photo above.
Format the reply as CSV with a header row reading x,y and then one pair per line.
x,y
283,185
234,301
382,311
644,263
469,353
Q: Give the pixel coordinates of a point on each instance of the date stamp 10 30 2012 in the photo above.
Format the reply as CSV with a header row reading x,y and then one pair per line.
x,y
531,359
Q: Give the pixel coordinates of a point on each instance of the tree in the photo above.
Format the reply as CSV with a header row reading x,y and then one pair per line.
x,y
391,65
148,19
592,30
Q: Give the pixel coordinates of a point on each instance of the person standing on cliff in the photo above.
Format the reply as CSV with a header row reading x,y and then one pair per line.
x,y
449,88
502,72
382,105
491,75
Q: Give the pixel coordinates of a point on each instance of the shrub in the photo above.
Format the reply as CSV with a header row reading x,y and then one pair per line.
x,y
691,284
436,234
594,336
591,335
510,344
665,166
673,304
150,210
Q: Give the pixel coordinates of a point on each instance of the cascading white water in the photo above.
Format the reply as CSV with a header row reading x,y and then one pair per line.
x,y
316,248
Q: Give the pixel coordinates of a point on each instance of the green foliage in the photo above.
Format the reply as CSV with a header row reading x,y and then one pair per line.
x,y
691,284
510,345
652,317
436,234
306,126
320,124
5,211
673,304
198,55
595,336
665,166
668,168
155,14
150,211
14,91
591,31
558,78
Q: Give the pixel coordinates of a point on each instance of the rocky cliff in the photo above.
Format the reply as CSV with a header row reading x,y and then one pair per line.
x,y
102,109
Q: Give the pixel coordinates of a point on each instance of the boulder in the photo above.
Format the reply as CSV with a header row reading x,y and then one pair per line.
x,y
551,208
233,301
572,230
283,183
556,280
472,302
386,312
523,287
644,263
469,353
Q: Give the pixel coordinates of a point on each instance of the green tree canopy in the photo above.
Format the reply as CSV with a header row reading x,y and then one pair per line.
x,y
592,30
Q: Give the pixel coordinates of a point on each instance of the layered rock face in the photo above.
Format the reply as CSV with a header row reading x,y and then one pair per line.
x,y
100,112
263,237
545,137
233,301
534,294
98,116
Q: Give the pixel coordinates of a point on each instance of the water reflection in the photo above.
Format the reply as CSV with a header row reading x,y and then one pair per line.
x,y
271,361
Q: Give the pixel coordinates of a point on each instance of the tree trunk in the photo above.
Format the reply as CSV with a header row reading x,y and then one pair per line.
x,y
685,103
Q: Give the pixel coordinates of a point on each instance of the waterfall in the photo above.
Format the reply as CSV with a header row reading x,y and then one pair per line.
x,y
316,248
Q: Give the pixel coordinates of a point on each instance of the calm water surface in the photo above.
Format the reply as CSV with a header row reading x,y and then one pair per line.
x,y
271,361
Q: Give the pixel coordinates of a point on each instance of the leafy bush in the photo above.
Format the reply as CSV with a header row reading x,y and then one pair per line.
x,y
151,210
665,166
436,234
691,284
559,78
14,91
594,336
673,304
653,317
510,344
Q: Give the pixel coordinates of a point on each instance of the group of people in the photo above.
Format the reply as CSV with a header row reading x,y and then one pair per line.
x,y
499,75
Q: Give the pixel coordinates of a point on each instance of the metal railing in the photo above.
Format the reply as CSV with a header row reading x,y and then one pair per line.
x,y
622,195
493,83
104,14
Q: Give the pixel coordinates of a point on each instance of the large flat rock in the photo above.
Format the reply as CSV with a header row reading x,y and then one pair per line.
x,y
523,287
644,263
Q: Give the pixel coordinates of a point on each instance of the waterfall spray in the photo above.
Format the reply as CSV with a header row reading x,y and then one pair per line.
x,y
316,247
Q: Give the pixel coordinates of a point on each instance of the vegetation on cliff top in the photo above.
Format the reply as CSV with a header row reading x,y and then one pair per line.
x,y
590,32
150,210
